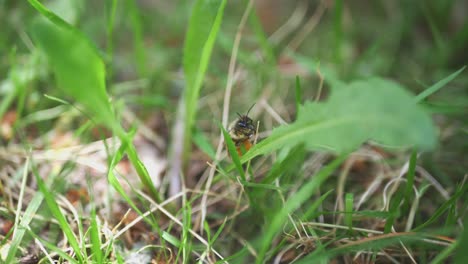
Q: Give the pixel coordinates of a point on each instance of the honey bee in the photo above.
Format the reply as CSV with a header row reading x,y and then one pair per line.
x,y
242,131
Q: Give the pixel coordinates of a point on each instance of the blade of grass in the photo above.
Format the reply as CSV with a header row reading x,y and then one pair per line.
x,y
233,152
95,236
207,228
204,144
375,242
338,31
348,218
312,210
22,223
290,163
186,236
137,27
204,25
445,206
298,94
410,180
53,248
218,232
113,179
11,94
394,210
262,38
293,203
437,86
110,33
462,254
445,255
142,172
54,208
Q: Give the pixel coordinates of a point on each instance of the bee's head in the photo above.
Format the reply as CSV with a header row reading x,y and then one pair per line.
x,y
242,128
245,125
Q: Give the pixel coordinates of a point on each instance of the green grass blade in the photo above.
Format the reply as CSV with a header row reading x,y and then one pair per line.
x,y
293,203
461,255
54,208
289,164
142,172
186,236
372,243
204,25
348,219
445,206
137,27
437,86
59,251
207,229
447,253
171,239
204,144
111,15
112,179
312,210
394,210
95,236
233,152
218,232
410,179
298,95
338,31
262,37
21,227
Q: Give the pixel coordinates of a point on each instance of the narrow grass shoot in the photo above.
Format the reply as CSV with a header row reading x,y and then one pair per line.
x,y
55,210
410,180
437,86
138,42
204,25
298,95
292,204
186,244
55,249
22,223
461,190
348,219
233,152
95,236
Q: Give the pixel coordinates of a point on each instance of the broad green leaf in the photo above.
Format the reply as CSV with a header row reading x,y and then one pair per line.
x,y
80,72
373,109
78,68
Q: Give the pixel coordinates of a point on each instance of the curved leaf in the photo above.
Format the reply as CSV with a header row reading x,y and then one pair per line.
x,y
374,109
79,70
